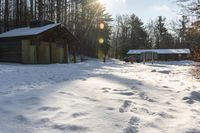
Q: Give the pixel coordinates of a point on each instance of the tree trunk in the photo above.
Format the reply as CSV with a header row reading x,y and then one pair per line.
x,y
58,11
40,9
0,17
74,53
17,13
31,9
6,16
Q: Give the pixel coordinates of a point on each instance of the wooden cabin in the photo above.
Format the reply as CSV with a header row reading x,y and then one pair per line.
x,y
160,54
38,44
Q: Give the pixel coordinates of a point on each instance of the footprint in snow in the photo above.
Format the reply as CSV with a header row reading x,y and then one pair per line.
x,y
73,128
106,90
133,125
165,86
47,108
194,87
30,100
172,110
145,97
196,111
126,93
110,108
21,118
165,115
192,131
66,93
142,110
5,93
76,115
125,107
120,90
188,89
182,84
195,96
168,103
83,79
134,88
44,120
165,72
91,99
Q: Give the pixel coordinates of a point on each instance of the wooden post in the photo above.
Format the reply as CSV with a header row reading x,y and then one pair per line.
x,y
66,52
104,59
152,58
37,53
74,53
50,51
144,56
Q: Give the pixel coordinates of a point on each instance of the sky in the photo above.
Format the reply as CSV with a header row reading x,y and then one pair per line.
x,y
146,10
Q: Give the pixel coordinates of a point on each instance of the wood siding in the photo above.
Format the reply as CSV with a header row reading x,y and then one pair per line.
x,y
43,53
28,52
10,50
57,53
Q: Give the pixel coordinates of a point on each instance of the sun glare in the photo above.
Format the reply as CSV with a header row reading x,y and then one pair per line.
x,y
103,1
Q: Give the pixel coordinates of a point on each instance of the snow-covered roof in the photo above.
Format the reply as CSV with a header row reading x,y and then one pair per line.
x,y
27,31
160,51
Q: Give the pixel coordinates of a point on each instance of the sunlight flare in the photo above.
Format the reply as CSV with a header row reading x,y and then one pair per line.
x,y
103,1
101,25
101,40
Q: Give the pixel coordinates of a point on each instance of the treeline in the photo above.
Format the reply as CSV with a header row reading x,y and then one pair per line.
x,y
81,17
131,33
191,32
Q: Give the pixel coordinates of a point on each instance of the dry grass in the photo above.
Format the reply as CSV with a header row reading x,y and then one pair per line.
x,y
196,71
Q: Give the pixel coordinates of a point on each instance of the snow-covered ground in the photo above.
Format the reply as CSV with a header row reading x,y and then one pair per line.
x,y
93,97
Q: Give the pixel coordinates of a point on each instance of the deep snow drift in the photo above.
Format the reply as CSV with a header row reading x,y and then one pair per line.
x,y
93,97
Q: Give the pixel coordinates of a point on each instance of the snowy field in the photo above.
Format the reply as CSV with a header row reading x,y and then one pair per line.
x,y
93,97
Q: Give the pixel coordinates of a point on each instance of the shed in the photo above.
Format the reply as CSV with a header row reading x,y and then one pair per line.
x,y
160,54
38,44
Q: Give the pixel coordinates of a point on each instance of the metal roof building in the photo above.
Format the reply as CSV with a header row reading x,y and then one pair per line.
x,y
40,43
160,54
160,51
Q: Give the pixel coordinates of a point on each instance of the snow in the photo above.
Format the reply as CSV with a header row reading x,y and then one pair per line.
x,y
93,97
27,31
160,51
